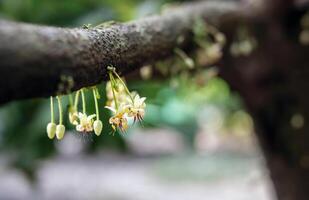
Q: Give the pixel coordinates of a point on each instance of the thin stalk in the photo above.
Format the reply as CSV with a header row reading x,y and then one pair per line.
x,y
71,99
60,109
83,100
124,85
112,80
76,99
51,110
185,58
96,102
180,53
97,93
114,95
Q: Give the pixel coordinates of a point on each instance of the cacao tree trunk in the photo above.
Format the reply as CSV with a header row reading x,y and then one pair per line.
x,y
274,83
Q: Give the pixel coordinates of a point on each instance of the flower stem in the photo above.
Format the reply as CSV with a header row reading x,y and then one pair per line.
x,y
114,95
60,109
83,100
51,110
71,99
185,58
112,79
76,99
124,85
96,102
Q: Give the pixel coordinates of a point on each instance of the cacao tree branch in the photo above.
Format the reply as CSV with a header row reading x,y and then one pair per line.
x,y
33,57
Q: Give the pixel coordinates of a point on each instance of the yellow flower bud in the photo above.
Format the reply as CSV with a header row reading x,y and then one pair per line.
x,y
73,116
97,127
189,62
51,130
60,129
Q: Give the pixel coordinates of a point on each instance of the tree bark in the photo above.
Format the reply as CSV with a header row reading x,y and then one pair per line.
x,y
33,58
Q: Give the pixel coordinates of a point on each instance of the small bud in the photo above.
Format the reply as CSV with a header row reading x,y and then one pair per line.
x,y
51,130
146,72
189,62
220,38
97,126
73,116
246,47
60,129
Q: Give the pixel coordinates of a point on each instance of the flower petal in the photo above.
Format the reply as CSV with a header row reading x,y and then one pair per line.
x,y
110,108
90,117
141,100
79,128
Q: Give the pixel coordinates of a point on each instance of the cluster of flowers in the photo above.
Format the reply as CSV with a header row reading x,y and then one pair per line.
x,y
210,40
123,104
85,123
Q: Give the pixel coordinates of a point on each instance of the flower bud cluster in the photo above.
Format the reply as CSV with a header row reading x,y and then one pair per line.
x,y
123,104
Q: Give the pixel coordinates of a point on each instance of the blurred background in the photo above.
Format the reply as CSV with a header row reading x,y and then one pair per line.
x,y
197,141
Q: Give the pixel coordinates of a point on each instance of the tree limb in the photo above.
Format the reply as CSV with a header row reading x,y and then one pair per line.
x,y
34,57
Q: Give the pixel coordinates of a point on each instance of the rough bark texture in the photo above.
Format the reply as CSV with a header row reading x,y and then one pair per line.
x,y
33,57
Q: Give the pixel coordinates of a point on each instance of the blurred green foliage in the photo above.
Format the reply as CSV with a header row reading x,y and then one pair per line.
x,y
73,12
64,12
